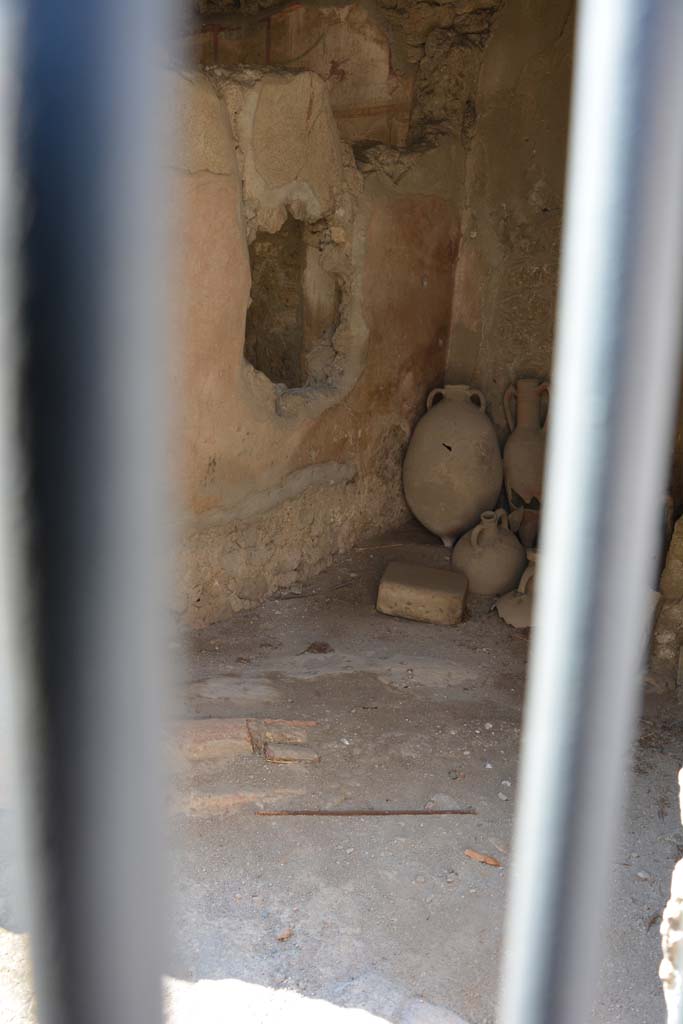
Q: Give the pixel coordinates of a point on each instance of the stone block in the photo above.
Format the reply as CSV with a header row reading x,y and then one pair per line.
x,y
197,739
287,753
278,731
422,593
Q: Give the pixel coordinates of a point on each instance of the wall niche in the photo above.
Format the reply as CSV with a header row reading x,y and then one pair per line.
x,y
295,307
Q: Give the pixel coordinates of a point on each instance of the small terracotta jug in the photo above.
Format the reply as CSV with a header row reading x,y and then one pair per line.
x,y
490,555
525,447
452,471
516,607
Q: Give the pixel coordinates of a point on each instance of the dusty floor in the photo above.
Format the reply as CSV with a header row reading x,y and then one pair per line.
x,y
385,918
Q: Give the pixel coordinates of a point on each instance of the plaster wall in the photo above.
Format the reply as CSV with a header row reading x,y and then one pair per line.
x,y
441,227
506,277
274,482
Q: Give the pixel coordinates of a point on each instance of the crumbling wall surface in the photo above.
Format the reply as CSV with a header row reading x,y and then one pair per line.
x,y
504,298
275,481
397,71
667,638
420,148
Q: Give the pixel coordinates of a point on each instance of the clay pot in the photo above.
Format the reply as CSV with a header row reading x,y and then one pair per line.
x,y
525,447
452,470
516,607
490,555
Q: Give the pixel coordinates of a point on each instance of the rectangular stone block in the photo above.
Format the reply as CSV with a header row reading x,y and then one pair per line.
x,y
276,730
422,593
197,739
288,753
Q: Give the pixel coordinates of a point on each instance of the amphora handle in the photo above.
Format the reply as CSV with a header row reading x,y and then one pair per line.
x,y
497,518
526,576
461,389
432,395
544,389
479,395
510,394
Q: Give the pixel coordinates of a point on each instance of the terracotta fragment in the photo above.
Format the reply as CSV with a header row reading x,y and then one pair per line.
x,y
516,607
524,453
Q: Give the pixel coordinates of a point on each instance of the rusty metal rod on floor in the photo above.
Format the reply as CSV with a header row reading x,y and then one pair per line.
x,y
616,374
356,813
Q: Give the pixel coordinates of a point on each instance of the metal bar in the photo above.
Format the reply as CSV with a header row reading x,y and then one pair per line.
x,y
357,814
93,387
615,380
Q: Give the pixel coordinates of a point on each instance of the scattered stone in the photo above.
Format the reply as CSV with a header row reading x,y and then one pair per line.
x,y
319,647
643,875
422,593
489,725
287,753
285,935
506,782
502,796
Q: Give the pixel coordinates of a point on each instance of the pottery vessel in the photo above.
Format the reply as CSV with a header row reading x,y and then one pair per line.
x,y
452,470
490,555
525,447
515,608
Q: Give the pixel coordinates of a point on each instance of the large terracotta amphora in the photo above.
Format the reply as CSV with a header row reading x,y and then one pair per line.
x,y
452,470
490,555
525,447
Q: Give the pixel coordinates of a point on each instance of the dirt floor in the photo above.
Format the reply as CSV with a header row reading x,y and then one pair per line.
x,y
370,918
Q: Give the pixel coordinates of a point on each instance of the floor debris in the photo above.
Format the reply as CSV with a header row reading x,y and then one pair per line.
x,y
319,647
483,858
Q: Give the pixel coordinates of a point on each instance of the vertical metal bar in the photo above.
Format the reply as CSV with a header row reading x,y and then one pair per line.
x,y
93,397
615,380
12,664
